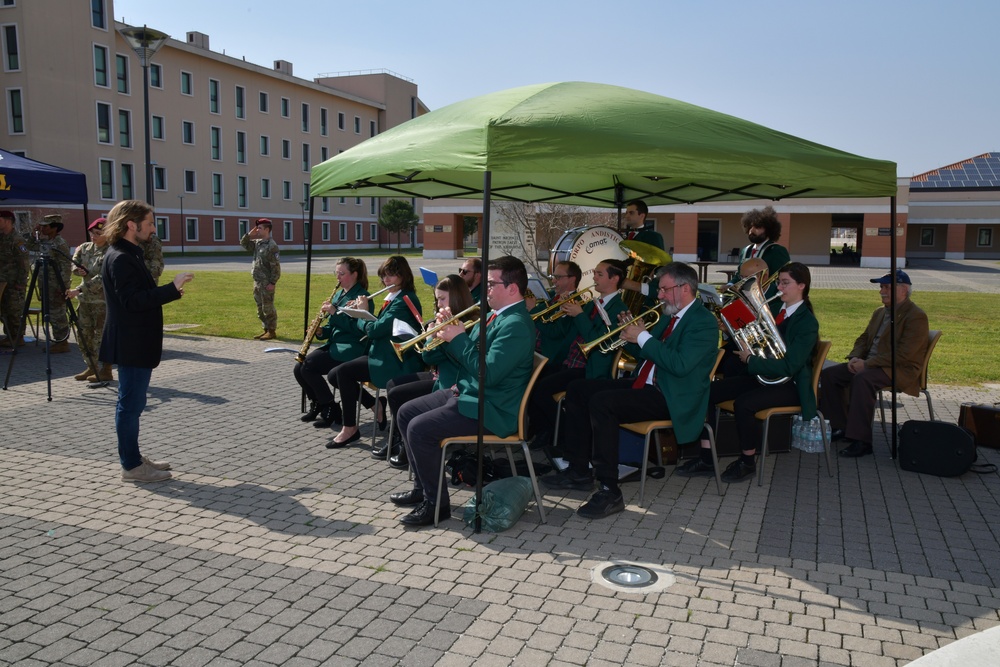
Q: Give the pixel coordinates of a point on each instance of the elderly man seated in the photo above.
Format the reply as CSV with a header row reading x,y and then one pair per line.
x,y
848,391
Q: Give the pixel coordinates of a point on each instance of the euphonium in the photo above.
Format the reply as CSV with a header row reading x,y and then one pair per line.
x,y
417,342
760,336
606,345
546,315
313,328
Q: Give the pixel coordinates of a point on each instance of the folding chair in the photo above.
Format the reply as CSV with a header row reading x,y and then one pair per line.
x,y
934,337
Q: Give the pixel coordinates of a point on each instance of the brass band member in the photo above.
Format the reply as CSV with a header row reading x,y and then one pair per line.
x,y
800,331
677,355
472,274
763,229
342,344
381,363
553,339
587,322
451,296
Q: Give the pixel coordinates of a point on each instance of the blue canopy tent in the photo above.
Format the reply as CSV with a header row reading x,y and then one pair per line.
x,y
24,181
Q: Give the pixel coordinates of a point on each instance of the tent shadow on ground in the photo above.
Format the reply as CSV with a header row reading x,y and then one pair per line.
x,y
161,395
277,511
169,355
949,266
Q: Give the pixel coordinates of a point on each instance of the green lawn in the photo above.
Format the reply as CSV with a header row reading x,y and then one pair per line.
x,y
221,303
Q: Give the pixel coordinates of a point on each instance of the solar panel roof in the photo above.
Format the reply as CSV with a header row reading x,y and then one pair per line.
x,y
982,171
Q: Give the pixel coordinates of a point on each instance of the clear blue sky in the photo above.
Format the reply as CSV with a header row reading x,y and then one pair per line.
x,y
916,82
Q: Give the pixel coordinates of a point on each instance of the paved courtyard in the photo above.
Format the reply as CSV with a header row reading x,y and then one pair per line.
x,y
268,549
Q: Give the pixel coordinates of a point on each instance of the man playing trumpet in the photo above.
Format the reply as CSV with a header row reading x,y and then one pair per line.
x,y
553,337
677,355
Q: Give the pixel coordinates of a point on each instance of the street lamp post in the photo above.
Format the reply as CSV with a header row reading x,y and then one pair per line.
x,y
183,224
145,42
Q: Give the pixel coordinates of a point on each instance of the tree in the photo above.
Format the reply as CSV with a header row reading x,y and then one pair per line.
x,y
470,225
398,216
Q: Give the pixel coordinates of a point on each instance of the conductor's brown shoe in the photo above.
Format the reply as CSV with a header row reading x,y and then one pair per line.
x,y
269,335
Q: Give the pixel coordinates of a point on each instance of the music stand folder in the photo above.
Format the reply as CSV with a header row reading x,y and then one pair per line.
x,y
429,276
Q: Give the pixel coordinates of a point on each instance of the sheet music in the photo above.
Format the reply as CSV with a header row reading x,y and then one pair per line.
x,y
358,313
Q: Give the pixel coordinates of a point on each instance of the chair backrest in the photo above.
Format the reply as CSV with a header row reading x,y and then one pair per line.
x,y
822,349
718,360
935,336
522,413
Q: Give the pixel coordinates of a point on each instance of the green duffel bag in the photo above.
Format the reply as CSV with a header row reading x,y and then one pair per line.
x,y
504,501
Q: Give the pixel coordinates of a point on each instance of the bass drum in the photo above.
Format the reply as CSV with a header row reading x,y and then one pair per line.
x,y
587,247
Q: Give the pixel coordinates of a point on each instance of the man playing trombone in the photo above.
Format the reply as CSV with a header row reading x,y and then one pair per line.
x,y
677,354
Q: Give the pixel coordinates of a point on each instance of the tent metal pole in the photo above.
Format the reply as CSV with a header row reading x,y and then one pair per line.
x,y
892,318
487,182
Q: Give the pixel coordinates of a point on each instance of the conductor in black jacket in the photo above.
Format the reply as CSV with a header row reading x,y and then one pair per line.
x,y
133,330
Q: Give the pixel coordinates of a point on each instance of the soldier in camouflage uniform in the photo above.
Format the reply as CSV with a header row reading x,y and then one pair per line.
x,y
91,311
152,252
60,265
266,269
14,265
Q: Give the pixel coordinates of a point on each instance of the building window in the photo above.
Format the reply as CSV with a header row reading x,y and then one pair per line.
x,y
322,122
121,72
357,125
373,232
287,229
262,102
163,228
159,178
357,231
244,227
216,139
15,113
124,128
305,117
371,128
285,106
241,191
103,123
12,60
191,229
218,229
325,207
107,179
343,231
127,184
155,76
265,188
305,157
324,230
187,84
101,66
157,127
343,200
216,189
357,201
286,149
286,190
305,197
187,132
341,120
190,181
241,147
98,17
926,236
984,239
241,108
371,206
213,96
324,153
265,145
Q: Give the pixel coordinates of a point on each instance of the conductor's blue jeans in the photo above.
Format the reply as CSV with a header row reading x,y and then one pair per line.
x,y
132,385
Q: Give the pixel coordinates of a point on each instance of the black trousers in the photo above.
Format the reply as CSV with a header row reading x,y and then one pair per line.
x,y
311,375
404,389
848,399
347,377
750,397
541,405
594,411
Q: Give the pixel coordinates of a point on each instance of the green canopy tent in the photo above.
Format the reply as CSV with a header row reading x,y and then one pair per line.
x,y
592,144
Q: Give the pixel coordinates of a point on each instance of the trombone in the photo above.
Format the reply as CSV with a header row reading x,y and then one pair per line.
x,y
547,315
604,343
430,336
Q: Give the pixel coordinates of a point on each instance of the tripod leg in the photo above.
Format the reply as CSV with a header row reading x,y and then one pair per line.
x,y
24,322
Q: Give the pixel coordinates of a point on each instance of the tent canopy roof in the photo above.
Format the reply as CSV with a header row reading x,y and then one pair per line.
x,y
594,145
29,181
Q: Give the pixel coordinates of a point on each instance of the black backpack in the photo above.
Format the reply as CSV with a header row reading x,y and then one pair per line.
x,y
938,448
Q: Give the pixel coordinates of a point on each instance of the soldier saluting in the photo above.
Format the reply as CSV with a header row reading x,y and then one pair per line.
x,y
266,269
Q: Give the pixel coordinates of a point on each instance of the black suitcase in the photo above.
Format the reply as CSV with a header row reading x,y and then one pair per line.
x,y
935,448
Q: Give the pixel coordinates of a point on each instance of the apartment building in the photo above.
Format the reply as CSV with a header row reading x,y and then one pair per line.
x,y
230,140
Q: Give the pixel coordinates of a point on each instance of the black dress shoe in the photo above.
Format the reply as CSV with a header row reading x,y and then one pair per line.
x,y
330,416
838,434
399,461
738,471
380,451
333,444
423,515
381,408
856,449
314,411
407,498
603,503
695,468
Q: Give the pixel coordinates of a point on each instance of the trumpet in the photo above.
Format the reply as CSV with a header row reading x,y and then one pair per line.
x,y
547,315
606,345
313,328
430,336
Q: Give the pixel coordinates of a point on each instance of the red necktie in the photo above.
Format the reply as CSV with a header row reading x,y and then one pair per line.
x,y
490,318
753,253
647,366
631,235
780,318
384,304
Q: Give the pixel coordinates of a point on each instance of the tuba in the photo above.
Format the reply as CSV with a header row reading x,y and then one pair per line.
x,y
646,259
750,324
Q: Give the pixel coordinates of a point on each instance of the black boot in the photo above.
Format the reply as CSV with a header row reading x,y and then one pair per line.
x,y
314,411
330,417
398,459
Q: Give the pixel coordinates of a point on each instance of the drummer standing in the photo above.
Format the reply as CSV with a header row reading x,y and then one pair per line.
x,y
636,227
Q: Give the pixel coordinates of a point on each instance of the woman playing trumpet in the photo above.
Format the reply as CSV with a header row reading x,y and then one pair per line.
x,y
342,344
380,364
451,295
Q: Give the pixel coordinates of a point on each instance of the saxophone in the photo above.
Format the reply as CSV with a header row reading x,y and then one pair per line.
x,y
313,328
